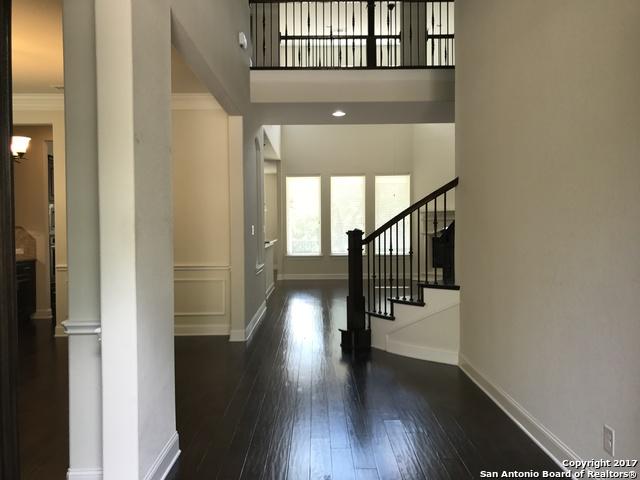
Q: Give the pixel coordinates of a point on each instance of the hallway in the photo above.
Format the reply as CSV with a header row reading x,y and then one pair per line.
x,y
288,405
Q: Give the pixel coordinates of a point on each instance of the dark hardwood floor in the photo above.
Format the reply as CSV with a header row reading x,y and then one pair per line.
x,y
289,405
43,402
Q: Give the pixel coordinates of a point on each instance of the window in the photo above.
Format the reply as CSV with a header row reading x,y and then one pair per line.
x,y
303,216
347,210
392,197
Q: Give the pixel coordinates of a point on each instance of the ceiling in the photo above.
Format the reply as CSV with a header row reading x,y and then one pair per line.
x,y
37,46
37,51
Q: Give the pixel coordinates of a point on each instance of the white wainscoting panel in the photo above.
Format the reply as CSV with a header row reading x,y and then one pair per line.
x,y
202,299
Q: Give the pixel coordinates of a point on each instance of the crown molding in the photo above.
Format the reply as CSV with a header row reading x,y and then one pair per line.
x,y
55,101
38,101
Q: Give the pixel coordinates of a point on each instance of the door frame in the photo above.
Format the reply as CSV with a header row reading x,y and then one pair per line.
x,y
9,455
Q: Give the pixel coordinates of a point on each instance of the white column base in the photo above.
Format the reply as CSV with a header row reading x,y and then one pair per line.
x,y
84,474
165,461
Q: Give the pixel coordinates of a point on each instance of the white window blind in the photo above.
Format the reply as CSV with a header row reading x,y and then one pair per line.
x,y
347,210
393,195
303,216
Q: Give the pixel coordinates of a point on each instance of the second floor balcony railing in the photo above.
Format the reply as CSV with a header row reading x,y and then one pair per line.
x,y
343,34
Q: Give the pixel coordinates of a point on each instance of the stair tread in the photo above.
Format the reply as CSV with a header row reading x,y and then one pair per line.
x,y
381,315
404,301
439,286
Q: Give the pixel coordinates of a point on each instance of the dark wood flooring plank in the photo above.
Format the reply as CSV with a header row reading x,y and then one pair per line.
x,y
289,404
342,464
403,451
320,459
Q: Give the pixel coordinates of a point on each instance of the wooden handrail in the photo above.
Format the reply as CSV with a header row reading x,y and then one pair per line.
x,y
436,193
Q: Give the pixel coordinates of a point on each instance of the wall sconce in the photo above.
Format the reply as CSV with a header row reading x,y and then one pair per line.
x,y
19,146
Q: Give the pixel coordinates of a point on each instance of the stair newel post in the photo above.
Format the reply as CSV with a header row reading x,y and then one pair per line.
x,y
356,336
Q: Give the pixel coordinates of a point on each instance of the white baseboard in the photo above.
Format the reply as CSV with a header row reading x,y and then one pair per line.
x,y
270,290
541,435
243,335
84,474
312,276
421,352
167,457
181,330
43,314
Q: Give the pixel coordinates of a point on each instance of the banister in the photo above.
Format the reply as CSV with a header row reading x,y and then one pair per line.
x,y
420,203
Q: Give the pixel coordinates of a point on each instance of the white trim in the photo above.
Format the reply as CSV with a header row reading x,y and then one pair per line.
x,y
194,101
84,474
313,276
81,328
541,435
450,357
55,101
199,267
43,314
38,102
200,314
165,460
187,330
244,335
270,290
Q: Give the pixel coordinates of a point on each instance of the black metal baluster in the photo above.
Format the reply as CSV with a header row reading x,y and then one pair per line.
x,y
426,243
435,234
361,33
384,264
440,51
353,33
387,33
433,32
271,62
410,34
391,261
445,225
418,257
308,34
379,274
380,33
331,32
264,45
411,256
373,262
446,48
397,262
404,260
368,246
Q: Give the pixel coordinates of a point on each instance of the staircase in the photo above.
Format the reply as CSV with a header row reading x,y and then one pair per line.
x,y
402,281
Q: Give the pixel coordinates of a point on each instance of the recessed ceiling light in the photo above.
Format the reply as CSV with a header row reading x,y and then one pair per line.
x,y
338,113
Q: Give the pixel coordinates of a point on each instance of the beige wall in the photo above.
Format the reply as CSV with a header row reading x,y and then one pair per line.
x,y
201,221
547,145
424,151
32,205
47,110
433,159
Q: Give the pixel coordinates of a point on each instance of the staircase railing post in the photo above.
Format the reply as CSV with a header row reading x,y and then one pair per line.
x,y
371,34
356,336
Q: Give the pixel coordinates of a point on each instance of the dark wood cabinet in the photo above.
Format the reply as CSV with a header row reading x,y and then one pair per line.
x,y
26,288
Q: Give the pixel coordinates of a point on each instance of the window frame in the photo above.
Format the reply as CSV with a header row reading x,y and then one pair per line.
x,y
364,209
286,217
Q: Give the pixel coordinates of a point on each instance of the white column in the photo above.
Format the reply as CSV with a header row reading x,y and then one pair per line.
x,y
85,410
133,42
